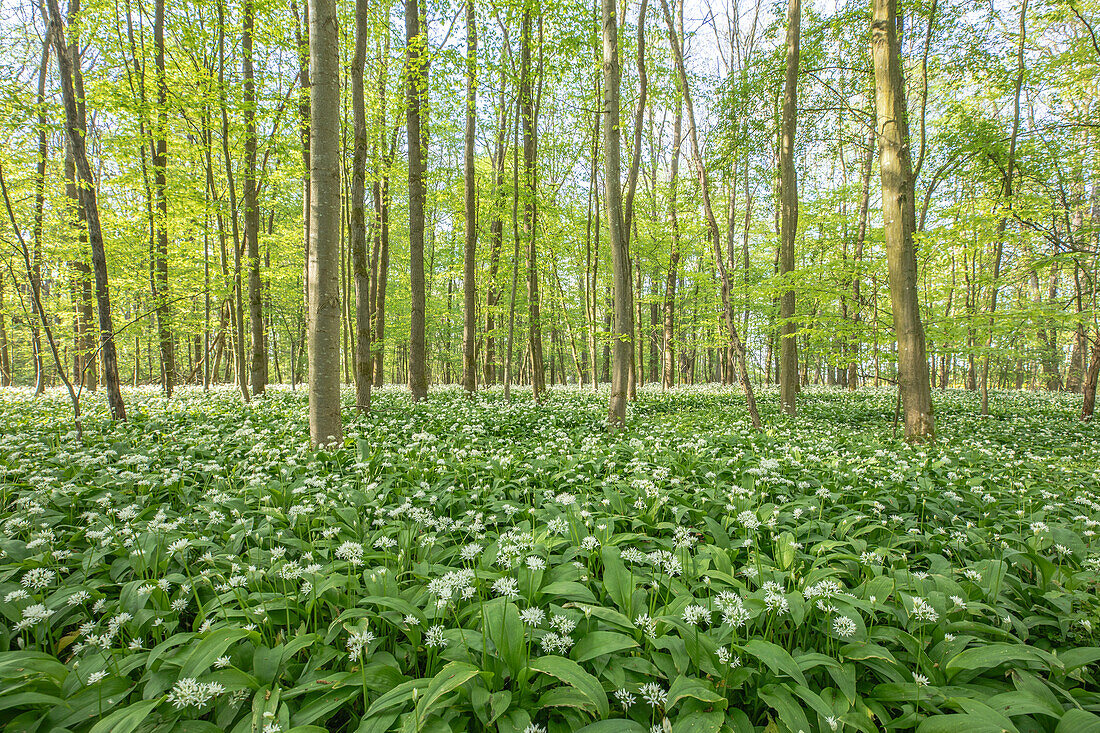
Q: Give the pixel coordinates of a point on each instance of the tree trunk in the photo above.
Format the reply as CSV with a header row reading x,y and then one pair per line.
x,y
857,256
496,237
88,201
528,113
788,204
897,191
358,223
35,272
668,378
469,289
416,73
160,182
712,224
325,426
258,365
623,324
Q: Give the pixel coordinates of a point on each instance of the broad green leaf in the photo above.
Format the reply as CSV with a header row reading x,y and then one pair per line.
x,y
571,673
597,643
452,676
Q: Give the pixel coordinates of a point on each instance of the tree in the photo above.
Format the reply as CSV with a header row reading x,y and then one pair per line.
x,y
325,425
788,203
529,116
623,325
712,233
364,356
160,218
416,83
469,290
258,368
88,202
897,191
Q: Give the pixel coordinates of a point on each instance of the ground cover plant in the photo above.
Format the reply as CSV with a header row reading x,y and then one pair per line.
x,y
474,564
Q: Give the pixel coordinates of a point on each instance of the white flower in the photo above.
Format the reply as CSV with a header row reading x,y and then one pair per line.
x,y
351,552
653,694
189,691
358,641
625,698
533,616
694,614
38,578
96,677
844,627
506,587
434,637
923,611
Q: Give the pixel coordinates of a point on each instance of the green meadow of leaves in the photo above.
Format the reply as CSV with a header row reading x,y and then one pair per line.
x,y
470,565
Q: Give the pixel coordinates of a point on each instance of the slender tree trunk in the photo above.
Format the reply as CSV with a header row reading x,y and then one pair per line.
x,y
669,375
258,368
358,223
5,353
623,323
325,425
237,296
35,273
897,191
857,265
496,237
515,258
713,233
74,133
469,289
528,113
382,209
416,73
788,203
160,182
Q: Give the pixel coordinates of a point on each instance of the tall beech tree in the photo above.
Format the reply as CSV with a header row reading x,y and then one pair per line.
x,y
622,331
897,191
361,270
325,422
416,83
90,205
788,206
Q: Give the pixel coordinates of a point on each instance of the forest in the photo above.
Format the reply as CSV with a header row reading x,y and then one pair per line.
x,y
534,366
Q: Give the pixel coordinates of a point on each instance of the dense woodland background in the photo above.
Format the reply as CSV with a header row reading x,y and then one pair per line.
x,y
200,172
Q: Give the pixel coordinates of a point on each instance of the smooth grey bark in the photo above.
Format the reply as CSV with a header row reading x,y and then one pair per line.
x,y
788,204
325,424
897,192
623,322
416,89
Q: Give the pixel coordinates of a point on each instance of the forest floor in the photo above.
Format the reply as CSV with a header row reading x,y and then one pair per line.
x,y
479,565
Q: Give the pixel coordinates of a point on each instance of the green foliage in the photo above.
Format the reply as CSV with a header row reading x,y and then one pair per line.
x,y
479,564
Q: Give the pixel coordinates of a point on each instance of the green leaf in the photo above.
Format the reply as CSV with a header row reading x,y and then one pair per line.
x,y
1078,721
617,579
127,719
775,658
956,723
571,673
597,643
989,656
695,688
449,678
699,722
209,649
618,725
